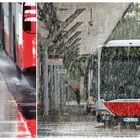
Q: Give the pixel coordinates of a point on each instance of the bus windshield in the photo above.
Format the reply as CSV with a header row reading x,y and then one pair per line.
x,y
120,73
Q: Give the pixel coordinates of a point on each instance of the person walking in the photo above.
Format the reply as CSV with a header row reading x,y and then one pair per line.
x,y
77,94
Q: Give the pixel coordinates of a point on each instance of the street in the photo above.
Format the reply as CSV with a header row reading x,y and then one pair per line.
x,y
84,128
17,102
12,123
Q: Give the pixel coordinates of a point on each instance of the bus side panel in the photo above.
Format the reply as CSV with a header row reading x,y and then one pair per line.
x,y
29,35
29,48
124,108
26,41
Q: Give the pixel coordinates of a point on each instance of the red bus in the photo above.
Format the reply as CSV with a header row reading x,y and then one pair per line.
x,y
20,33
118,82
19,27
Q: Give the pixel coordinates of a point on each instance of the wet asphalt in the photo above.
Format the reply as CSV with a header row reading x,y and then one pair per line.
x,y
12,123
17,100
84,128
23,90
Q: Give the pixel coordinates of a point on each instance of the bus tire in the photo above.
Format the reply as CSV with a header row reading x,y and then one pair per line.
x,y
132,125
106,123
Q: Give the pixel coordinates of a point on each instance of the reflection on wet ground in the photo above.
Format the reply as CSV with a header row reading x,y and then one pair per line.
x,y
24,93
83,128
12,123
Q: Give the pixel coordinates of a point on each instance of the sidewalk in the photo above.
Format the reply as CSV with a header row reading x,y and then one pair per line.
x,y
12,123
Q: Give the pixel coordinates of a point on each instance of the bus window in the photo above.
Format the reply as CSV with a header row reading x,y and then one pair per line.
x,y
29,17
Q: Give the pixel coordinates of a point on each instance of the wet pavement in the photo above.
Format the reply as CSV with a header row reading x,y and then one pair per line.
x,y
20,101
12,123
76,122
23,90
84,128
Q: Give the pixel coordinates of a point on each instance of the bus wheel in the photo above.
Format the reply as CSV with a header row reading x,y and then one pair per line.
x,y
106,123
113,121
123,125
132,125
110,123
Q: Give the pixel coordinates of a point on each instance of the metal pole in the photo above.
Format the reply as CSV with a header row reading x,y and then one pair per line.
x,y
46,97
99,57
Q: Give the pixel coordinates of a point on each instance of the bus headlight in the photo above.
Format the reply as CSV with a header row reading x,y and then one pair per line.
x,y
103,112
104,115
